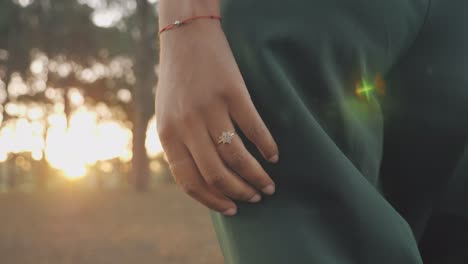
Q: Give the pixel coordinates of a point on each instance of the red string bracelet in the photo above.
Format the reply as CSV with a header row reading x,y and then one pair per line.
x,y
179,23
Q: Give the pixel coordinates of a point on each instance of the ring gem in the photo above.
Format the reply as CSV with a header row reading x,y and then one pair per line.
x,y
226,137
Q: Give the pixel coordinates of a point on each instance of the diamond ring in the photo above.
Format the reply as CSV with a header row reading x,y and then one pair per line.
x,y
226,137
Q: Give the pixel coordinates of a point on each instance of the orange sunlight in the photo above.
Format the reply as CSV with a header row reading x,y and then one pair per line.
x,y
87,140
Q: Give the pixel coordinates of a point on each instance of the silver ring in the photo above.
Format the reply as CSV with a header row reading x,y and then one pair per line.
x,y
226,137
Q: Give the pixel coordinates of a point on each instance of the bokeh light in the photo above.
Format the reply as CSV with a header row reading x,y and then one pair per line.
x,y
67,146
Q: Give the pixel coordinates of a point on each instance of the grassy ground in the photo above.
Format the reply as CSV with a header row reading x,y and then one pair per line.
x,y
163,226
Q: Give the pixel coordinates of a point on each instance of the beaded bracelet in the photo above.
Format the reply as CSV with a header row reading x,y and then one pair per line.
x,y
179,23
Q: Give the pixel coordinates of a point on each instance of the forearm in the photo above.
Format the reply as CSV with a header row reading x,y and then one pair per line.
x,y
171,10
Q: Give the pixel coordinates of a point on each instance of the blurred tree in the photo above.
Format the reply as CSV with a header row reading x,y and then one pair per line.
x,y
64,33
145,81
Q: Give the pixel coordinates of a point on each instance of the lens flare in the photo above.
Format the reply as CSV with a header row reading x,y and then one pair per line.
x,y
365,89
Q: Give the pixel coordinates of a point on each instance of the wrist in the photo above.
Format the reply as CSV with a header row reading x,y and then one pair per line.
x,y
171,10
190,38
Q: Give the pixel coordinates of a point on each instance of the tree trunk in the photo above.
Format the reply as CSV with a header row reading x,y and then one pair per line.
x,y
143,102
41,173
12,173
140,166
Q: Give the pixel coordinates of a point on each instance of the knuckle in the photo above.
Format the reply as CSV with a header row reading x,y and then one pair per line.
x,y
234,95
238,88
256,131
189,188
228,95
215,179
165,132
186,119
177,162
206,106
237,160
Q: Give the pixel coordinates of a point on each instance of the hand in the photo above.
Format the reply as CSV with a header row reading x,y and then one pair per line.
x,y
200,94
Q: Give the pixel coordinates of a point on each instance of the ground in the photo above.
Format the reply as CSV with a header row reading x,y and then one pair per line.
x,y
163,226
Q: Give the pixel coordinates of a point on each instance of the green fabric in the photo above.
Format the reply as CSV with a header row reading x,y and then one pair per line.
x,y
363,177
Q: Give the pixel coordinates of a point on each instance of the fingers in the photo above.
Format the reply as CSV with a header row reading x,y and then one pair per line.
x,y
244,114
213,169
188,178
235,155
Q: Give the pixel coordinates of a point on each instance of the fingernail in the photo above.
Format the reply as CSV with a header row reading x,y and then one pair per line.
x,y
255,198
274,159
270,189
230,212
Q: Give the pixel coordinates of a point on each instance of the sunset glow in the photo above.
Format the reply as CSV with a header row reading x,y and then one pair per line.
x,y
94,131
87,140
